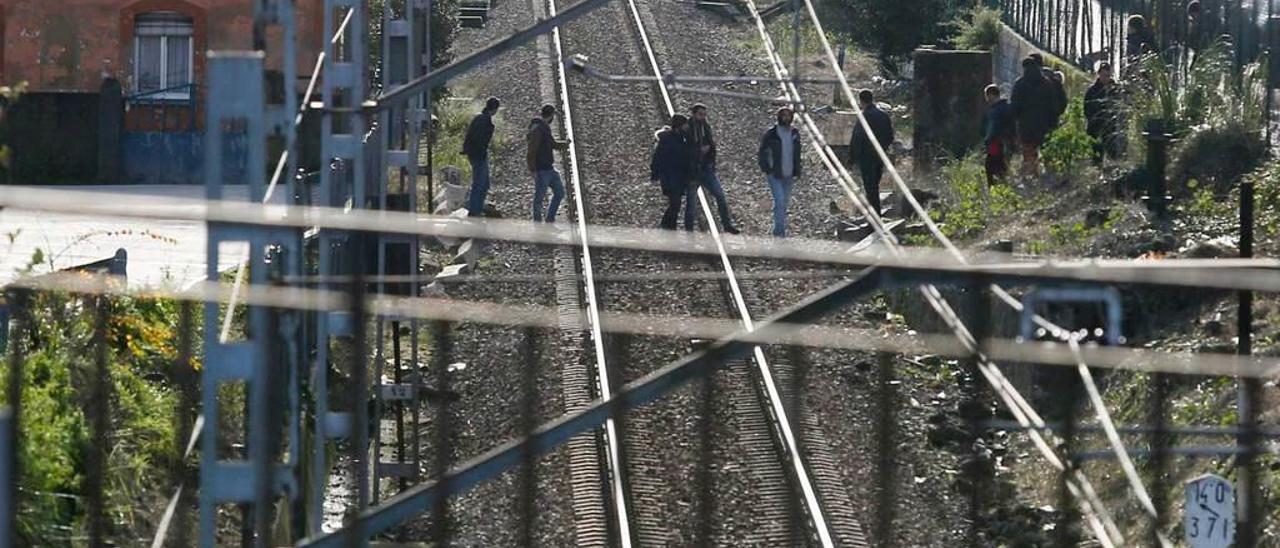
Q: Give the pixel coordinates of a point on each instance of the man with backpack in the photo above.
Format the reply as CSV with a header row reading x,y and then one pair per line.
x,y
998,132
1035,111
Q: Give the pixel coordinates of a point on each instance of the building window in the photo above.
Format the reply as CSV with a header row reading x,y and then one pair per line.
x,y
162,55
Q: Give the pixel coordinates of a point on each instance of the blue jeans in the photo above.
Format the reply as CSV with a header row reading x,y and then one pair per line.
x,y
479,186
781,190
710,182
542,179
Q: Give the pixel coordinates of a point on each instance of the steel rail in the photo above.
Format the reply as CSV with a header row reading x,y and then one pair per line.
x,y
551,434
612,439
401,93
1100,521
1135,482
795,465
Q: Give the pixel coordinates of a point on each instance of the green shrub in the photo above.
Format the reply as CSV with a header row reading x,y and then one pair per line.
x,y
1070,145
1216,156
977,28
969,205
1266,180
55,433
1211,91
892,29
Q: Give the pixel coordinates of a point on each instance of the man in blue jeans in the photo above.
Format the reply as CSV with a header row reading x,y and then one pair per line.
x,y
704,166
476,147
779,157
541,160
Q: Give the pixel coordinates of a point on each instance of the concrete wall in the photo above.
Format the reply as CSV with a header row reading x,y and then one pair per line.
x,y
1006,63
74,44
948,103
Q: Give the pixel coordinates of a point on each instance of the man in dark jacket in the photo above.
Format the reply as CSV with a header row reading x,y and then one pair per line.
x,y
779,159
703,154
670,167
861,150
998,132
541,160
1057,81
1138,39
1102,114
476,147
1034,108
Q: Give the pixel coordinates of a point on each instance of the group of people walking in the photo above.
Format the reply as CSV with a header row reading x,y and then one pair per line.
x,y
683,161
1035,110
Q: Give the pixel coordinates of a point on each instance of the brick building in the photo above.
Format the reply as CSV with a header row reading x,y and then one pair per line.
x,y
155,49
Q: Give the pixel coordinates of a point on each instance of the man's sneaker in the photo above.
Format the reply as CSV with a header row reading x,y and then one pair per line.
x,y
732,229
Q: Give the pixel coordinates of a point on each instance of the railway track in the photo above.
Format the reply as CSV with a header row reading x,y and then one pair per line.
x,y
623,495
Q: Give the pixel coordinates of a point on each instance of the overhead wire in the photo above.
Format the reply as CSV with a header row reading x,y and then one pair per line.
x,y
782,421
612,438
1104,417
224,334
815,335
1226,274
1097,516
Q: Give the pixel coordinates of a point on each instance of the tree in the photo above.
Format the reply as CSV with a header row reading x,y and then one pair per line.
x,y
893,28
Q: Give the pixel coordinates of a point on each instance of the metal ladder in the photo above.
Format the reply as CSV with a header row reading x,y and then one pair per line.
x,y
405,44
236,119
342,185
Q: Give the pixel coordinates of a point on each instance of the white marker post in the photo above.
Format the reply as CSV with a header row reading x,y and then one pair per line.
x,y
1209,512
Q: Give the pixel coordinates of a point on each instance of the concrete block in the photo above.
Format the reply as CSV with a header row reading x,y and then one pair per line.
x,y
468,253
457,214
948,104
452,271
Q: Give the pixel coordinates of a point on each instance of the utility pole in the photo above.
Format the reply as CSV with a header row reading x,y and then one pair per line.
x,y
1248,389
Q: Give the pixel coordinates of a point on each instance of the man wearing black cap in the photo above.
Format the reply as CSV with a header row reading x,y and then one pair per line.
x,y
541,162
779,158
476,147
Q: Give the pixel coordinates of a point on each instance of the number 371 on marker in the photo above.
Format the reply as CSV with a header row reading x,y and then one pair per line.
x,y
1209,512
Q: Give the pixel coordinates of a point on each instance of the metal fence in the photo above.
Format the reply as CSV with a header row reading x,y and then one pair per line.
x,y
1084,32
297,335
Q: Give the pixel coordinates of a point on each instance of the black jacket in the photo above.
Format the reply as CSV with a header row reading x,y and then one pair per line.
x,y
1034,106
670,164
541,144
769,154
997,123
861,151
1059,95
700,134
1139,43
1101,108
479,135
